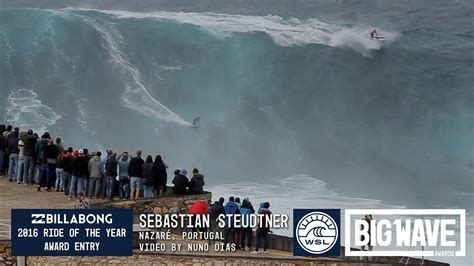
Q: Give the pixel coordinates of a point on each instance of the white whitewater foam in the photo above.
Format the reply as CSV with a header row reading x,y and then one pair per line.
x,y
24,109
136,96
171,67
284,32
84,116
9,49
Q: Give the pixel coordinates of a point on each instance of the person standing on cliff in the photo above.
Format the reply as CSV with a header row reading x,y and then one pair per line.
x,y
238,231
29,143
149,177
3,152
135,173
50,153
124,178
111,173
19,170
262,228
5,159
367,218
59,145
41,174
59,185
13,151
162,176
231,209
68,157
246,232
95,167
216,209
79,168
104,179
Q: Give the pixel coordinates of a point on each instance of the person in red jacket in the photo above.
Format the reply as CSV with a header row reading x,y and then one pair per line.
x,y
198,208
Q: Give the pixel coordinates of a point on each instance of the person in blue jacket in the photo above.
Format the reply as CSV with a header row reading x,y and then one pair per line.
x,y
230,208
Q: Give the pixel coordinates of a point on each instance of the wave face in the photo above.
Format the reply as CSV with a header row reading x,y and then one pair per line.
x,y
277,95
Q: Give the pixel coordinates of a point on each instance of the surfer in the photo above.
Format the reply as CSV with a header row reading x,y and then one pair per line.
x,y
374,34
196,121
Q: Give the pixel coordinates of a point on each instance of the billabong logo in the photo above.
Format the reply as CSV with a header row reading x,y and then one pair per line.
x,y
38,218
316,232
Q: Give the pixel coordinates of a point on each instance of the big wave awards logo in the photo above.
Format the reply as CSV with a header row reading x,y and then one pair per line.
x,y
316,232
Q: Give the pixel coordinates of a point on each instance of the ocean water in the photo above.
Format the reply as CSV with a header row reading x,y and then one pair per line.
x,y
295,102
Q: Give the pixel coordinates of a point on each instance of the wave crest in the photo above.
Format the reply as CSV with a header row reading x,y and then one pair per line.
x,y
283,31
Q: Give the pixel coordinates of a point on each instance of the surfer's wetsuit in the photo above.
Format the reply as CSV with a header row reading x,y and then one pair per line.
x,y
373,34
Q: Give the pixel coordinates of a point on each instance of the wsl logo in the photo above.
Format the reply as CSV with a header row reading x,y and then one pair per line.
x,y
316,232
38,218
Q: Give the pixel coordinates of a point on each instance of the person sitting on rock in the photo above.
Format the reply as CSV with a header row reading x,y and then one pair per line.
x,y
197,183
181,182
82,201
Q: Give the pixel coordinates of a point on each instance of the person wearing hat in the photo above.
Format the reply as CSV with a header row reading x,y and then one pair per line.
x,y
181,182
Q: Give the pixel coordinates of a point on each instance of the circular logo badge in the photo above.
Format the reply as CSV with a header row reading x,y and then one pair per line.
x,y
317,232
